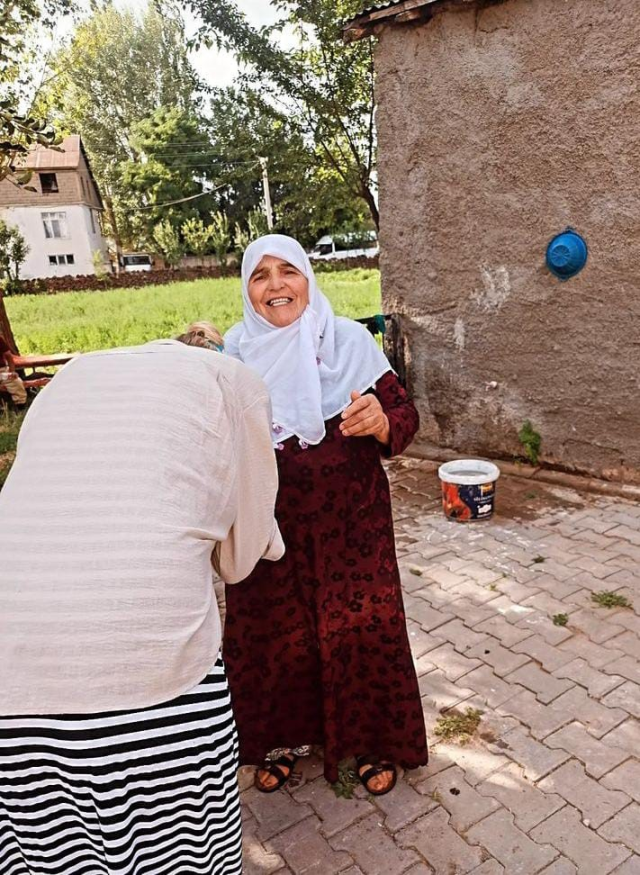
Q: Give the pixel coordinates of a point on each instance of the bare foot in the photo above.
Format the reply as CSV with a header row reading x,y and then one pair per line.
x,y
380,783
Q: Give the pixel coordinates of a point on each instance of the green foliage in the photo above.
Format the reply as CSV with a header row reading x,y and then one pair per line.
x,y
607,599
21,23
119,69
458,727
168,241
255,227
347,782
85,321
220,237
560,619
99,266
325,85
531,442
167,179
197,236
13,252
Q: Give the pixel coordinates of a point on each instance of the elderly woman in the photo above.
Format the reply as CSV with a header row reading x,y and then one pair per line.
x,y
316,644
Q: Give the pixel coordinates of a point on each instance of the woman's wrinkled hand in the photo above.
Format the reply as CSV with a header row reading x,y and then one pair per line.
x,y
365,416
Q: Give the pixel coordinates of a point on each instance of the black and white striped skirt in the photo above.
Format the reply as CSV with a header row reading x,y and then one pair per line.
x,y
150,792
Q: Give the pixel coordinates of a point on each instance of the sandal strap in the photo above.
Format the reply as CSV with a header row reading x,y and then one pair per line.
x,y
374,771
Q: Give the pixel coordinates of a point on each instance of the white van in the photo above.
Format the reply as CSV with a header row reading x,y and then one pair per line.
x,y
360,245
134,261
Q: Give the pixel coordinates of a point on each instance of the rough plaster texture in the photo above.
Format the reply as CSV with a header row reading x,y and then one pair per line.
x,y
499,127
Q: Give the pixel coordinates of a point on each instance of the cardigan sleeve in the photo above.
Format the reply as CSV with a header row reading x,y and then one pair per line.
x,y
401,412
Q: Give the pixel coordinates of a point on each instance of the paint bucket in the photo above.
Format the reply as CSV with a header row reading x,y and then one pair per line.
x,y
468,489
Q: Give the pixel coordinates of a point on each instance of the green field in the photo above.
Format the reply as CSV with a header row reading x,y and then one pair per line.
x,y
85,321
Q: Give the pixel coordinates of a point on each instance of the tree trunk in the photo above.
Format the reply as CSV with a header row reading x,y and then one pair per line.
x,y
368,197
108,202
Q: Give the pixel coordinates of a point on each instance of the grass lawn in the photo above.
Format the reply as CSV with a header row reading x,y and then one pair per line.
x,y
9,427
85,321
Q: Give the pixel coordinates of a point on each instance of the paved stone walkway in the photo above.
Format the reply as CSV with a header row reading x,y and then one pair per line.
x,y
551,782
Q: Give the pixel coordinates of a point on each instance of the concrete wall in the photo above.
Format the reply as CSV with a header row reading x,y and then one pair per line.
x,y
499,127
82,240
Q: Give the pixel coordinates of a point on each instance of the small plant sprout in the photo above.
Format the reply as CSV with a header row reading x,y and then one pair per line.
x,y
538,560
347,781
560,619
606,599
415,569
531,442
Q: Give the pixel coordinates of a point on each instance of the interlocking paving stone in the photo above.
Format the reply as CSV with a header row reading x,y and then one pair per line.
x,y
501,660
598,719
440,693
626,736
595,654
545,686
505,632
475,760
628,642
256,860
546,654
403,806
561,866
509,845
453,664
421,612
536,759
307,852
597,756
541,720
631,866
624,827
373,850
626,696
421,642
591,854
492,689
626,778
595,802
489,867
597,683
440,845
460,635
274,812
464,804
529,805
335,814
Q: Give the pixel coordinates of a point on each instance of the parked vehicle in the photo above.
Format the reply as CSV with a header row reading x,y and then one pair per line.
x,y
355,245
135,261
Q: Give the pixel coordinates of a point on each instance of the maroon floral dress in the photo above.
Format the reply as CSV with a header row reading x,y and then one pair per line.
x,y
316,645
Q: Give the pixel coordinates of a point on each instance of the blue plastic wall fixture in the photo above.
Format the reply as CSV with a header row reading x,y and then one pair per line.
x,y
567,254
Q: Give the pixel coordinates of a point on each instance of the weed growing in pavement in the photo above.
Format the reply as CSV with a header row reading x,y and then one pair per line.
x,y
606,599
458,727
537,560
560,619
531,442
347,781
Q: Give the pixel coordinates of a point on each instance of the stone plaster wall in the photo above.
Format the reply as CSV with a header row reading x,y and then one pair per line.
x,y
499,127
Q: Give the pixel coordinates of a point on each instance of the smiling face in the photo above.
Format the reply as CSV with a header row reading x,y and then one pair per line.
x,y
278,291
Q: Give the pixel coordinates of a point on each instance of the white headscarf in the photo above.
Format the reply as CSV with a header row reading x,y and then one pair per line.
x,y
312,366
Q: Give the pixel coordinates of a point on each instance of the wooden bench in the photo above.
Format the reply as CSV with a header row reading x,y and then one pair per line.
x,y
23,363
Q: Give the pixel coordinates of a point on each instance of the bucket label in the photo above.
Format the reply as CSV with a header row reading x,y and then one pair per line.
x,y
466,503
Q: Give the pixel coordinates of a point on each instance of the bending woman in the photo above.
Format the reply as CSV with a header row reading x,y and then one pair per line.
x,y
321,634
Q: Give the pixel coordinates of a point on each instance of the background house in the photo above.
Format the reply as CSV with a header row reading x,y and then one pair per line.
x,y
500,124
61,220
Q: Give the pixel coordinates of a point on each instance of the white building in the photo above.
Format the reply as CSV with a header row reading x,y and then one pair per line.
x,y
61,219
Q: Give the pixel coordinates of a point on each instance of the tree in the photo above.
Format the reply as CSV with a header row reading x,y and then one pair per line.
x,y
243,236
116,71
13,254
220,238
169,242
197,236
20,129
169,182
325,86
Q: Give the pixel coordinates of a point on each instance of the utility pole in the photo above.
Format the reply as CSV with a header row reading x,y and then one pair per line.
x,y
267,192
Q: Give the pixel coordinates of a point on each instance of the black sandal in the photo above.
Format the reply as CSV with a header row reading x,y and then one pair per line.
x,y
376,768
274,768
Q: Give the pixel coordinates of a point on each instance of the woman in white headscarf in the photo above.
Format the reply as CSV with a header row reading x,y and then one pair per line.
x,y
316,645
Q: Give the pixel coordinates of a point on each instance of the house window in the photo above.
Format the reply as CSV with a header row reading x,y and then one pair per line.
x,y
61,259
55,225
93,222
49,183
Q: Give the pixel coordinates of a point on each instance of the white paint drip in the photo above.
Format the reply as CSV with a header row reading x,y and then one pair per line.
x,y
497,288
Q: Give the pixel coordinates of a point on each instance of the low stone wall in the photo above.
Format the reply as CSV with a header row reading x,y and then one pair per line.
x,y
136,279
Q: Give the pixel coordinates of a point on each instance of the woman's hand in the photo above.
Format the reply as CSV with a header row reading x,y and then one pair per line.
x,y
365,416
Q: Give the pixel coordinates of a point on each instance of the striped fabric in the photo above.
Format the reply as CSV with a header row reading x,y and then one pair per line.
x,y
151,792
